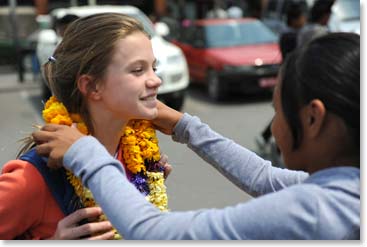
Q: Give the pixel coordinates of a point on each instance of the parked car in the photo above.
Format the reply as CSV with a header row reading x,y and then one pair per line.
x,y
172,66
231,55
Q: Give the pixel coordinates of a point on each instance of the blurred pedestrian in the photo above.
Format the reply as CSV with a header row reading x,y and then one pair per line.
x,y
217,12
47,42
317,24
316,126
52,37
234,11
62,23
172,23
296,19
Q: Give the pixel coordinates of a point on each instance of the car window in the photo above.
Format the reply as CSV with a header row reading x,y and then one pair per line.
x,y
238,33
199,38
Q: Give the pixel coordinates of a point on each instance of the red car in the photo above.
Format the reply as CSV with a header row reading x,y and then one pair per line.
x,y
230,55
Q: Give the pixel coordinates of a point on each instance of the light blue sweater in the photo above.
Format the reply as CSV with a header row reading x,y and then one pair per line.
x,y
288,204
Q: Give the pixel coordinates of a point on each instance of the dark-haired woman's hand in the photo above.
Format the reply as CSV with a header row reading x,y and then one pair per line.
x,y
163,162
70,228
167,118
54,140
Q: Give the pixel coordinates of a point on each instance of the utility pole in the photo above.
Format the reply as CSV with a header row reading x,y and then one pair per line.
x,y
14,27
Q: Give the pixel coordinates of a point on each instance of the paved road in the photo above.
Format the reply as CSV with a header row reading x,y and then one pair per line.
x,y
17,113
193,183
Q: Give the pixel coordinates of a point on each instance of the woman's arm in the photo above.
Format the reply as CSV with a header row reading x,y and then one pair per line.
x,y
244,168
135,218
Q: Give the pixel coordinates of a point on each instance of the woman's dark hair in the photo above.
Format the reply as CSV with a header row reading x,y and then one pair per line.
x,y
328,69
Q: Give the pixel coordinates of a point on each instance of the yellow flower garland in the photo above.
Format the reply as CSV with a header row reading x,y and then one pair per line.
x,y
140,153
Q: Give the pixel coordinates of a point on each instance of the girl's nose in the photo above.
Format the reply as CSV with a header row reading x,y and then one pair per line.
x,y
154,81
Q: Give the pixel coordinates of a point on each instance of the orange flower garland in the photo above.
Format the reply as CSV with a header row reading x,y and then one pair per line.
x,y
140,151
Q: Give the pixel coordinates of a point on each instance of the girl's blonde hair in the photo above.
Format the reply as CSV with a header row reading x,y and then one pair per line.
x,y
87,48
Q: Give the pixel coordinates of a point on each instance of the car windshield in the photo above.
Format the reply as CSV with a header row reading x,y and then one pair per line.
x,y
347,9
238,33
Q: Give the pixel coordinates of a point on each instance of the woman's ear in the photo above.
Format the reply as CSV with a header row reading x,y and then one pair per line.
x,y
88,87
314,117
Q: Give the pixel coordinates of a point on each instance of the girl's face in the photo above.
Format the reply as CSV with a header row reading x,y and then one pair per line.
x,y
281,131
130,86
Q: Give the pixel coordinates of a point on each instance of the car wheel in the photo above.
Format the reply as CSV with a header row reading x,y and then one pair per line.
x,y
214,88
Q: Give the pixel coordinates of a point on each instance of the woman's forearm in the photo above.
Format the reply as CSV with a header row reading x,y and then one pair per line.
x,y
243,167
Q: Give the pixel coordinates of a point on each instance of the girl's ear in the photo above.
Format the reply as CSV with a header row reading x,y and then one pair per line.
x,y
314,117
88,87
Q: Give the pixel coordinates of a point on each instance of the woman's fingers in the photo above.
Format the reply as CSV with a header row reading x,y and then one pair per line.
x,y
70,227
40,136
81,214
110,235
163,162
44,149
54,140
51,127
97,230
167,170
167,118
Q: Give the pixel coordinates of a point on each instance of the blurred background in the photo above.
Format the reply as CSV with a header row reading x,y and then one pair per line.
x,y
218,59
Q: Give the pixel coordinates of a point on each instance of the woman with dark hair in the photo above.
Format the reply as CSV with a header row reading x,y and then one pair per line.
x,y
316,126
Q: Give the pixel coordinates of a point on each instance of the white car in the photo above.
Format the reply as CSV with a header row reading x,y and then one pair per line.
x,y
172,65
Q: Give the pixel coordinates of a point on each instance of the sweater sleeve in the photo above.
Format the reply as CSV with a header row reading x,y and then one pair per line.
x,y
22,198
244,168
136,218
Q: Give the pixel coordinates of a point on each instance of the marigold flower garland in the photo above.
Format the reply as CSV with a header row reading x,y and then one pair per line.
x,y
140,154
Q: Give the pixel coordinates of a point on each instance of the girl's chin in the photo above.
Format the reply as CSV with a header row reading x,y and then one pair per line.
x,y
149,114
150,103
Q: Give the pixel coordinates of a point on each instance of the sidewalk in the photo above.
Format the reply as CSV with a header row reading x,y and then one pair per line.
x,y
20,106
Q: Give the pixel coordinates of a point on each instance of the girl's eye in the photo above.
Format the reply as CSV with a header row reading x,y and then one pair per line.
x,y
155,68
138,70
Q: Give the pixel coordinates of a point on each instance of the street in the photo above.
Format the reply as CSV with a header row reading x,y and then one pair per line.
x,y
193,183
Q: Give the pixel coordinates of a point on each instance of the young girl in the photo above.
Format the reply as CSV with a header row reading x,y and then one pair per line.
x,y
102,75
317,128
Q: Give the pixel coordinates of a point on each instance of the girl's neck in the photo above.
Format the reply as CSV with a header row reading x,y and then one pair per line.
x,y
107,127
109,134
